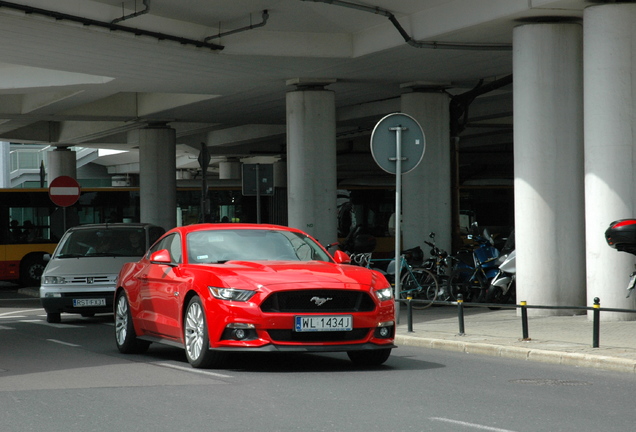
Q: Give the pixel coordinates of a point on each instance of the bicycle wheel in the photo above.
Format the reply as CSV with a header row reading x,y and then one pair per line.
x,y
458,283
419,284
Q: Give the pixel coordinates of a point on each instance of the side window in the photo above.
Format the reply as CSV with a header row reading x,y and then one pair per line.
x,y
172,243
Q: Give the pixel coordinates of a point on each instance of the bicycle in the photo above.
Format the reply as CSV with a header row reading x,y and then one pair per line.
x,y
416,283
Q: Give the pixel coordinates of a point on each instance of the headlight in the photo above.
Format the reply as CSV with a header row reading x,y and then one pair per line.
x,y
231,294
53,280
384,294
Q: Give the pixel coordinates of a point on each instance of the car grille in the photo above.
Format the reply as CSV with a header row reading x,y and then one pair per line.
x,y
316,337
318,301
88,280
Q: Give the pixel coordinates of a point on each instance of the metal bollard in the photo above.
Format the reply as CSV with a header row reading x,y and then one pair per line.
x,y
409,308
524,320
460,313
597,324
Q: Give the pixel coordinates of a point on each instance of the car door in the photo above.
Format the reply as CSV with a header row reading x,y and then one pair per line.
x,y
159,293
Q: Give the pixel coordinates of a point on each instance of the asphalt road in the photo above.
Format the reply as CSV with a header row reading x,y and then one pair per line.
x,y
70,377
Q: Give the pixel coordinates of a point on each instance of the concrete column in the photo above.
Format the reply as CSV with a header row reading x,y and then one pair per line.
x,y
426,191
610,115
5,164
61,162
157,175
548,158
311,161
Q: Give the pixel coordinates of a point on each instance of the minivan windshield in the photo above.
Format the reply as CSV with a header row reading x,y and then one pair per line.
x,y
121,241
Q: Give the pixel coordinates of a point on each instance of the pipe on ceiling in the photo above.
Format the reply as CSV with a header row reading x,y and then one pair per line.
x,y
408,39
133,15
110,26
264,16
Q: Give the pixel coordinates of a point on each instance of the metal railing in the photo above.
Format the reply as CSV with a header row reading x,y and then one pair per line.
x,y
596,308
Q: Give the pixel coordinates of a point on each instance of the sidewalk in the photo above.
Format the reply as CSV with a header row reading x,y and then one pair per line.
x,y
565,340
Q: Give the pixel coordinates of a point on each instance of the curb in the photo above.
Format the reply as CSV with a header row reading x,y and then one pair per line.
x,y
608,363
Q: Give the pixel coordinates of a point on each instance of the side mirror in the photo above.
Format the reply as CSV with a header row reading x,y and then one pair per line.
x,y
341,258
161,257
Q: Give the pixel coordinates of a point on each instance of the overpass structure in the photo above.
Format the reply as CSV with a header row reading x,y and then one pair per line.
x,y
301,83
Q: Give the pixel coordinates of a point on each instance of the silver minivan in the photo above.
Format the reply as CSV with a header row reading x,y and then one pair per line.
x,y
80,276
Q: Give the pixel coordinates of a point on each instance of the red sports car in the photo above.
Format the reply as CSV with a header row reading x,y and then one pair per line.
x,y
215,288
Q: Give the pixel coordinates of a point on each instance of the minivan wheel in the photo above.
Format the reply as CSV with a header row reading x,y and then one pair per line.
x,y
54,317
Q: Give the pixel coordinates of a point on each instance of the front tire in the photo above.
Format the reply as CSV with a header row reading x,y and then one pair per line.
x,y
125,336
369,357
197,341
53,317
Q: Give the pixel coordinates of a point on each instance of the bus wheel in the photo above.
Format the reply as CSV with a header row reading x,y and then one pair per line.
x,y
31,271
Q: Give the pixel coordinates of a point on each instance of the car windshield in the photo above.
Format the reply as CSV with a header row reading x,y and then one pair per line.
x,y
219,246
103,242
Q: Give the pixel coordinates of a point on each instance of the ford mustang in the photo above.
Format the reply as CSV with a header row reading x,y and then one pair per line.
x,y
217,288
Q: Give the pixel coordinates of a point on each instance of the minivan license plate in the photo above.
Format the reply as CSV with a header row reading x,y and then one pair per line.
x,y
89,302
309,323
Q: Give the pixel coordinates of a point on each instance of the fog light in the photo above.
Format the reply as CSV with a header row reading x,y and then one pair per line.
x,y
239,334
384,332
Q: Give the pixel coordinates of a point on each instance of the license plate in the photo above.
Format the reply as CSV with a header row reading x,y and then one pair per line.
x,y
89,302
309,323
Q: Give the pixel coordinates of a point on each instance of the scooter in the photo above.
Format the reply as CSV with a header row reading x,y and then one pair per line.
x,y
503,285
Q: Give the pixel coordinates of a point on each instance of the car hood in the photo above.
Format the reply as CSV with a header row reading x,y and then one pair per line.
x,y
296,274
86,266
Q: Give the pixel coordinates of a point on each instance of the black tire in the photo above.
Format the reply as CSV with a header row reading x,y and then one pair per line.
x,y
419,284
458,283
196,338
125,336
495,295
31,269
369,357
53,317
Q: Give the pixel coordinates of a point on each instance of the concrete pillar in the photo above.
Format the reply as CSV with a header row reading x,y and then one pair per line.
x,y
426,191
5,164
548,161
61,162
157,175
311,161
610,115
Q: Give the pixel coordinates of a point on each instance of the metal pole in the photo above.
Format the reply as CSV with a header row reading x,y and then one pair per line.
x,y
524,320
410,315
258,195
398,212
460,313
597,326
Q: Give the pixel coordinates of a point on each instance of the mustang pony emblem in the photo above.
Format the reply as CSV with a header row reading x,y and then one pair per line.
x,y
320,300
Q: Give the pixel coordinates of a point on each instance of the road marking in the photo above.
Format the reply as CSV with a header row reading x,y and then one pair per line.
x,y
20,311
63,343
12,317
51,324
190,369
470,425
6,328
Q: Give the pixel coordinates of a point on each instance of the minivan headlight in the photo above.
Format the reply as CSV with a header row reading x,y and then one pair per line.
x,y
53,280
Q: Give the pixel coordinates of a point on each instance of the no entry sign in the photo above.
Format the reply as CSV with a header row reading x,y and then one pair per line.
x,y
64,191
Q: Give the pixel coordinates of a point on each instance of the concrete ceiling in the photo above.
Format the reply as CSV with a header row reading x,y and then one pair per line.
x,y
73,72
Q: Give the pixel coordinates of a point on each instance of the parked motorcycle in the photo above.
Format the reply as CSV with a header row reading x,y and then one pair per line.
x,y
621,235
473,270
503,286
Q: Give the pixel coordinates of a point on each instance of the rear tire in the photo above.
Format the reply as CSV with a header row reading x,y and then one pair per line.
x,y
457,283
369,357
31,271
